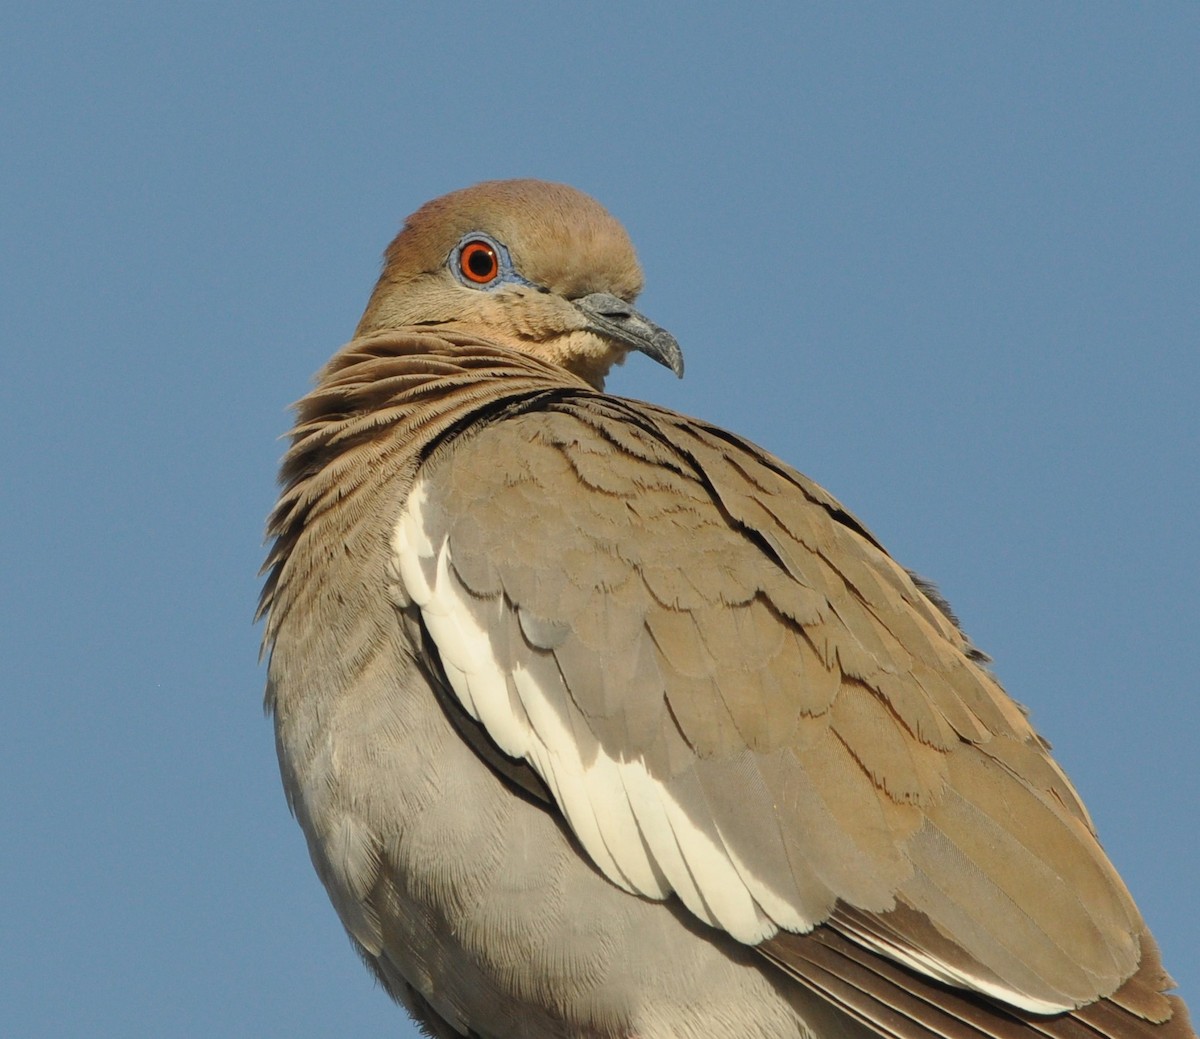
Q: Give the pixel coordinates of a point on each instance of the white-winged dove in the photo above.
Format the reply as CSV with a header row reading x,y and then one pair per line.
x,y
602,721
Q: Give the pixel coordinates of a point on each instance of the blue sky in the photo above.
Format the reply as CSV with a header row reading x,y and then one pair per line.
x,y
942,257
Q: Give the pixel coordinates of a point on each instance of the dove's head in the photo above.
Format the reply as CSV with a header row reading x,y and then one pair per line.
x,y
532,266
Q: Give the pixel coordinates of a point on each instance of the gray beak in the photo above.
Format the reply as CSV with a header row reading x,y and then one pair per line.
x,y
607,315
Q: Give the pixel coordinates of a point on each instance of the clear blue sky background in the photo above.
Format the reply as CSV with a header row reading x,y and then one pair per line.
x,y
942,257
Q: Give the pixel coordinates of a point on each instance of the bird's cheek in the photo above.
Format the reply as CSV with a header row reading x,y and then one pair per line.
x,y
585,354
537,318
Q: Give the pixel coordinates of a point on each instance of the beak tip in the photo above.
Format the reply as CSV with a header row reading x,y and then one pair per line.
x,y
676,364
664,348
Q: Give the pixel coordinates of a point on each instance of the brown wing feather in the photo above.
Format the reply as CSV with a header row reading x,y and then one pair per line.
x,y
902,1004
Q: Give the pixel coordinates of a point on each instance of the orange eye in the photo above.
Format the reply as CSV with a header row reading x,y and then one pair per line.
x,y
478,262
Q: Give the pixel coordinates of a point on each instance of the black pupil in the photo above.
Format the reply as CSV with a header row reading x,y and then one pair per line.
x,y
481,261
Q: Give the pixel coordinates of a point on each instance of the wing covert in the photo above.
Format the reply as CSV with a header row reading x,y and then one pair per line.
x,y
734,694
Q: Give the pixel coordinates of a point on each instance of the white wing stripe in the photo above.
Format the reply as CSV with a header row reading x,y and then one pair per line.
x,y
635,831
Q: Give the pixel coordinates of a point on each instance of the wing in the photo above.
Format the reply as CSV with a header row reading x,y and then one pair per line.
x,y
735,695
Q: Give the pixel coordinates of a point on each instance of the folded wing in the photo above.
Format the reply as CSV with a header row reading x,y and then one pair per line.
x,y
735,695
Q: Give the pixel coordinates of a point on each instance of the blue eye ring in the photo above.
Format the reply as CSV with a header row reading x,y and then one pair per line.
x,y
481,262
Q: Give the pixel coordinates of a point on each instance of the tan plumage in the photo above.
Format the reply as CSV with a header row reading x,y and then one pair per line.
x,y
602,721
